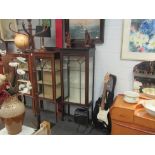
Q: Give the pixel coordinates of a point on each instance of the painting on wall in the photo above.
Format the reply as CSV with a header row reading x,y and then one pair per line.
x,y
138,39
77,28
6,33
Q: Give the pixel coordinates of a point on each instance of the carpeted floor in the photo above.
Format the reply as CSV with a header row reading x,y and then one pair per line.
x,y
66,127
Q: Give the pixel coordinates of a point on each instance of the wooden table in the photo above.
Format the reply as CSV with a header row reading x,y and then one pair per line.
x,y
130,119
25,131
45,129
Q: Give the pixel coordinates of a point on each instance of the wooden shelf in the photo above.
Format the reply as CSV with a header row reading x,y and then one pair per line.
x,y
23,81
74,87
27,94
75,101
50,97
44,83
25,69
47,83
46,96
144,75
47,69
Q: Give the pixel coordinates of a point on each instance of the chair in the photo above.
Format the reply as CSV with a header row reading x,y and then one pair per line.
x,y
44,129
105,123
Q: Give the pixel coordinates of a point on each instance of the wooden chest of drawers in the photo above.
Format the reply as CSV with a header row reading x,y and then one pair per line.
x,y
130,119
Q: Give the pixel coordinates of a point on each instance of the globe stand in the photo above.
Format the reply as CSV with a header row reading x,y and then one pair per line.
x,y
42,49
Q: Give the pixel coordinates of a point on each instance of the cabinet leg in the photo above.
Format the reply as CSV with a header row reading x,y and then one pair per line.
x,y
88,116
63,112
38,121
24,100
56,112
68,109
41,105
92,112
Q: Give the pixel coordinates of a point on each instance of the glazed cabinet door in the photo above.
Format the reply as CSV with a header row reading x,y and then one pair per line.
x,y
74,79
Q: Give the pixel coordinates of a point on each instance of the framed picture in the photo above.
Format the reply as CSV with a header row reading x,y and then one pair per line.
x,y
46,22
77,28
5,32
138,39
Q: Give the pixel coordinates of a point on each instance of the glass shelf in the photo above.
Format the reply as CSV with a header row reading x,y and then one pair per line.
x,y
47,69
45,96
25,69
74,69
47,83
22,81
48,92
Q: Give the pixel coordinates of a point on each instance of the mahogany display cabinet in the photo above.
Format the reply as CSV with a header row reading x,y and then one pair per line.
x,y
77,76
47,78
1,65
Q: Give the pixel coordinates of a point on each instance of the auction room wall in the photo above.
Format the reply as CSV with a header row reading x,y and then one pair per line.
x,y
108,59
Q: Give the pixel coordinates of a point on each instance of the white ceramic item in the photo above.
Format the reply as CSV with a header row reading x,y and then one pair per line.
x,y
13,64
149,92
20,71
21,59
149,106
131,97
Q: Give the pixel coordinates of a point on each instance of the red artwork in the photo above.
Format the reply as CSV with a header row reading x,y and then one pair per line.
x,y
59,33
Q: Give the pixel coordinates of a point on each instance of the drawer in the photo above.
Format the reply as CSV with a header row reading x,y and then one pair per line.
x,y
120,128
121,114
141,117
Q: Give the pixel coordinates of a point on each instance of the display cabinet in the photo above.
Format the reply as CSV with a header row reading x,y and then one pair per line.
x,y
77,76
25,64
144,72
47,77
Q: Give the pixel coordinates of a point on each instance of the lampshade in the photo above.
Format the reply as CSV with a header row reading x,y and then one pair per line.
x,y
47,33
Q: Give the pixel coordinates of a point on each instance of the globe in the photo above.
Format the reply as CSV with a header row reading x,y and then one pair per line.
x,y
21,41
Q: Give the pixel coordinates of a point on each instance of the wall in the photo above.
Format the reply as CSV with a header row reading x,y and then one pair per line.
x,y
108,59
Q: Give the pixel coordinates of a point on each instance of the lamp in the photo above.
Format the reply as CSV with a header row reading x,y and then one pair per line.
x,y
46,33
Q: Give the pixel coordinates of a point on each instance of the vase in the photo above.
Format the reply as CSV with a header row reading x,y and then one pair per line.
x,y
12,113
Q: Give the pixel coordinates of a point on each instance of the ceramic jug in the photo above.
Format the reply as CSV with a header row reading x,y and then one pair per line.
x,y
12,113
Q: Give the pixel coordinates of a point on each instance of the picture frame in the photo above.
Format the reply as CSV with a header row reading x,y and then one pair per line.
x,y
77,27
5,32
138,39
